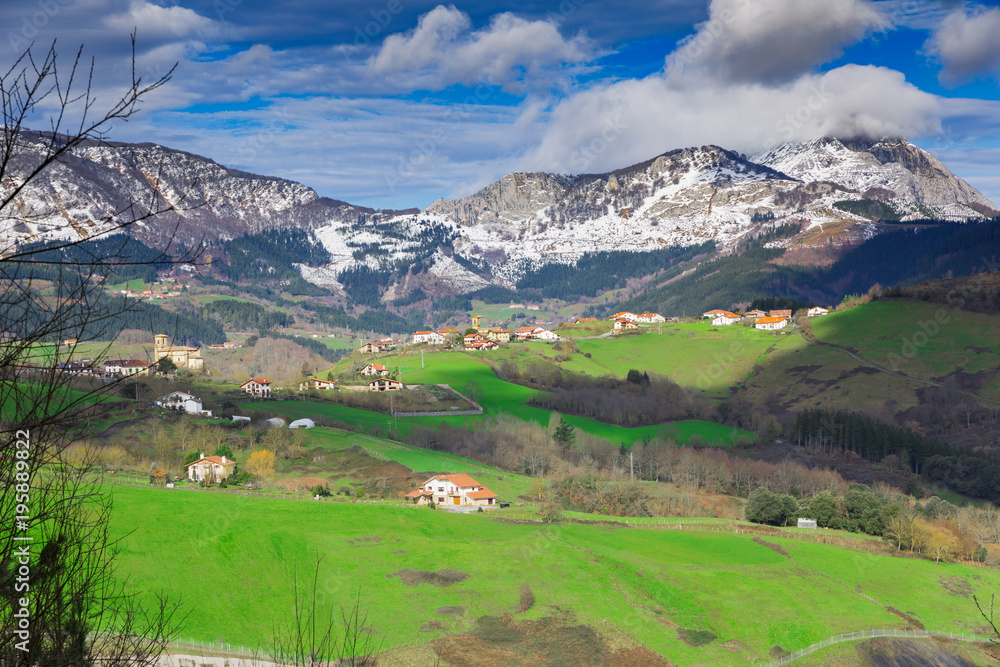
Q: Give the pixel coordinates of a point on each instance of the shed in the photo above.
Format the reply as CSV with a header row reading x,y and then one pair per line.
x,y
302,423
807,523
276,422
238,418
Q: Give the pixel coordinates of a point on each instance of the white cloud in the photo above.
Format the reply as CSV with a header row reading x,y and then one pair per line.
x,y
444,50
623,123
772,41
150,20
967,44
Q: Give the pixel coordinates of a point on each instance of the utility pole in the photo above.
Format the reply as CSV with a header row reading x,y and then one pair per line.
x,y
631,467
421,358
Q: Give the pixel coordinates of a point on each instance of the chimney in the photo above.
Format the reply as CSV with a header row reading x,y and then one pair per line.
x,y
201,455
223,459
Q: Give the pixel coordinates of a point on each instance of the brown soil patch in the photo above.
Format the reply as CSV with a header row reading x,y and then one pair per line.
x,y
451,611
504,641
957,586
892,652
442,578
778,652
431,626
777,548
639,656
906,617
695,637
371,538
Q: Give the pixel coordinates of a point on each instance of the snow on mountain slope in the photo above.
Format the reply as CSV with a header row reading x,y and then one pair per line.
x,y
682,197
906,171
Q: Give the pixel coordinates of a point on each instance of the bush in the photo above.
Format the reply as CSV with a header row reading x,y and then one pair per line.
x,y
764,506
320,490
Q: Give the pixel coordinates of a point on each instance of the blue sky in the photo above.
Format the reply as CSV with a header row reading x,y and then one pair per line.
x,y
395,103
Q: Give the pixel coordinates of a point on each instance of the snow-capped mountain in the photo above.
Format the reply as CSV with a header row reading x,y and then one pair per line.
x,y
894,165
682,197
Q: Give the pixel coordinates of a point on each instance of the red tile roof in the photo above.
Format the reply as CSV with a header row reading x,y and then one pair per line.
x,y
258,381
458,479
481,494
212,459
770,320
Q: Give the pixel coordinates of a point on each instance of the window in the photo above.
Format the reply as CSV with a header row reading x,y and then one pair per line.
x,y
440,488
440,500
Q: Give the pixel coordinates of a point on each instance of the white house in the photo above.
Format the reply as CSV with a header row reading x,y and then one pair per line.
x,y
650,318
770,323
257,387
188,403
622,324
725,318
816,311
374,369
126,367
458,489
210,469
429,337
385,384
712,314
544,334
624,315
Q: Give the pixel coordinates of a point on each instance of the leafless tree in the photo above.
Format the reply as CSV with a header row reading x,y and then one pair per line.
x,y
78,611
312,639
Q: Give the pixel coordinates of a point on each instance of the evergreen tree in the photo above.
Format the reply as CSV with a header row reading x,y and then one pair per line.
x,y
565,434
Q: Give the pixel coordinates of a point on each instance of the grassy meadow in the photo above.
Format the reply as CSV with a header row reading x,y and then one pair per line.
x,y
657,586
472,376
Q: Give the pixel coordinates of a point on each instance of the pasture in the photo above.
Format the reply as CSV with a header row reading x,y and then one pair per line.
x,y
665,588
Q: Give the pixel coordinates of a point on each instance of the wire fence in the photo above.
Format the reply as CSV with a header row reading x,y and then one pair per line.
x,y
869,634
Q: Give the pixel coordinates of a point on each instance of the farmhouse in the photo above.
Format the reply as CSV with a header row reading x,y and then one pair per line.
x,y
374,369
430,337
816,311
369,348
126,367
257,387
179,400
534,333
182,355
498,335
210,469
385,384
756,314
581,320
780,313
317,383
712,314
725,318
624,315
472,338
450,334
459,489
622,325
482,346
770,323
650,318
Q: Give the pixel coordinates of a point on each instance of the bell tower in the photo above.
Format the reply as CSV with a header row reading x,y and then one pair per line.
x,y
160,341
475,321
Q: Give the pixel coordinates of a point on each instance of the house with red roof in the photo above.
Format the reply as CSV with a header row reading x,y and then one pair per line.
x,y
770,323
257,387
374,369
210,469
725,318
430,337
458,489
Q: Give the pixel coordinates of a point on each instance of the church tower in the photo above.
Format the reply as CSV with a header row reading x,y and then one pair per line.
x,y
160,341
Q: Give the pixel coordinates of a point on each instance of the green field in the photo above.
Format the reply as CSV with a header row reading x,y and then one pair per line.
x,y
647,583
887,333
465,372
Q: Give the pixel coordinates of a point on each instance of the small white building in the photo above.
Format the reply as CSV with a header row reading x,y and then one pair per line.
x,y
624,315
726,318
816,311
239,418
257,387
374,369
210,469
429,337
302,423
650,318
126,367
457,489
807,523
539,333
188,403
770,323
623,324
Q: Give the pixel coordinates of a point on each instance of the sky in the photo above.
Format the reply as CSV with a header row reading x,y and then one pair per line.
x,y
396,103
